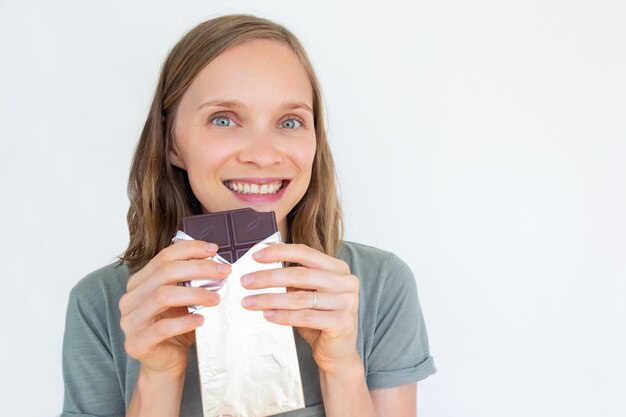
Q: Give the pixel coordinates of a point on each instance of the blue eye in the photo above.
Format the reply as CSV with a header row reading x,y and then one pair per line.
x,y
291,124
222,121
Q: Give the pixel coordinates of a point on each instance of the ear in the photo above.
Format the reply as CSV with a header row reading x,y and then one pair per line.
x,y
174,156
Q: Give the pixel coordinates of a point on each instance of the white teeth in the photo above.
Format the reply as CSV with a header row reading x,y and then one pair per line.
x,y
245,188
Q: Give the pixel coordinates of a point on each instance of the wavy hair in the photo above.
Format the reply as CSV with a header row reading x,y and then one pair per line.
x,y
160,193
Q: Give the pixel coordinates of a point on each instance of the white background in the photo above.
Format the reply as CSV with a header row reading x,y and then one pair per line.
x,y
482,141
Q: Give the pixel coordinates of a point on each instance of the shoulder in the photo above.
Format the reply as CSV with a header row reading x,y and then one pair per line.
x,y
376,268
364,257
95,365
92,329
101,289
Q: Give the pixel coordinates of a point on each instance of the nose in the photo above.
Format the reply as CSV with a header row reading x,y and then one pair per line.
x,y
261,148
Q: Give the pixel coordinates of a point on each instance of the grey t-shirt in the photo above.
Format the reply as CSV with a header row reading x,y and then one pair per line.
x,y
100,377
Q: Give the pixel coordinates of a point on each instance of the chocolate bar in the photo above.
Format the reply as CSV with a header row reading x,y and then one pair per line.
x,y
234,231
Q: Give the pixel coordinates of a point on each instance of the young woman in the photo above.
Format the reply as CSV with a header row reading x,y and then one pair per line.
x,y
237,121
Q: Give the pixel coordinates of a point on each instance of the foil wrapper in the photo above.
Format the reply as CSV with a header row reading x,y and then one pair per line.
x,y
248,366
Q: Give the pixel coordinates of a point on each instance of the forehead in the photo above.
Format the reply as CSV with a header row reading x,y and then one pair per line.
x,y
255,72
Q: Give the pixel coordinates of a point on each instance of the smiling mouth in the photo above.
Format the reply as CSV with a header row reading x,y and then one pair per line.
x,y
242,187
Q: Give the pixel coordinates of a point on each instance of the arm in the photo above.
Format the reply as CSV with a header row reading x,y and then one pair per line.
x,y
156,394
346,394
397,401
157,332
322,303
157,326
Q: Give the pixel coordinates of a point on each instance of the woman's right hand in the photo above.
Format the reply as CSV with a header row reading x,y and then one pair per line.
x,y
154,317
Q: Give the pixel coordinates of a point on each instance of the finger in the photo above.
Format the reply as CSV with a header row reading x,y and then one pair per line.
x,y
301,277
187,249
303,255
164,298
179,251
146,341
169,275
329,322
298,300
181,271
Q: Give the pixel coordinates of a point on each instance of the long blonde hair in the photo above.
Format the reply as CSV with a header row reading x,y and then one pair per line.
x,y
160,193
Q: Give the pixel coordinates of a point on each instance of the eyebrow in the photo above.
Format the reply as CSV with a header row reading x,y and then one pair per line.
x,y
239,105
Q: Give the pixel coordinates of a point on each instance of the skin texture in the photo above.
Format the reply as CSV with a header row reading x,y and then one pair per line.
x,y
261,137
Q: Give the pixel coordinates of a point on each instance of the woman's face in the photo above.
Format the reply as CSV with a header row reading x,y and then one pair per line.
x,y
244,130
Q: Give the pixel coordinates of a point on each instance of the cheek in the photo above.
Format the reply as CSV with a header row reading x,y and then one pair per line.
x,y
206,154
304,154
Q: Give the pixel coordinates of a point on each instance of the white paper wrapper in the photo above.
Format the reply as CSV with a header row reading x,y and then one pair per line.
x,y
248,366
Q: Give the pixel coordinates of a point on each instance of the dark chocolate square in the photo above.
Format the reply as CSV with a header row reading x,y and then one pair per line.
x,y
234,231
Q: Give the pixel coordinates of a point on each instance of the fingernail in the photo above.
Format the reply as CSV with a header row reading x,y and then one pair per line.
x,y
258,254
247,279
198,318
269,313
247,301
223,268
211,247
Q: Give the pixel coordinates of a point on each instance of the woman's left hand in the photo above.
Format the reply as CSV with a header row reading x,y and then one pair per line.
x,y
321,301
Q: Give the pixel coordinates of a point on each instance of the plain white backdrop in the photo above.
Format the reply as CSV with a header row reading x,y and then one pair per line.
x,y
482,141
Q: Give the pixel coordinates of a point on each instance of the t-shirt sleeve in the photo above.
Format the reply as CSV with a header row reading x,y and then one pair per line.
x,y
91,382
400,353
